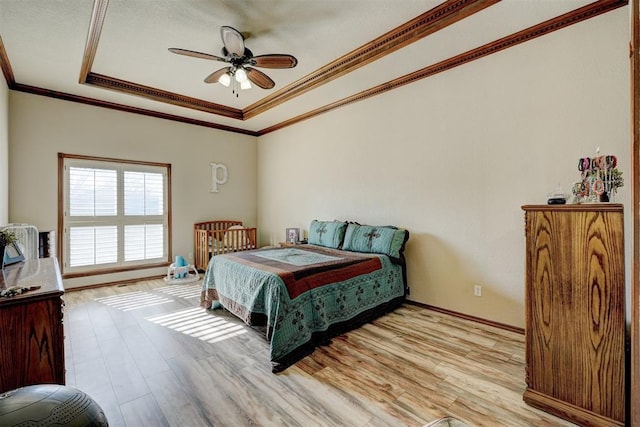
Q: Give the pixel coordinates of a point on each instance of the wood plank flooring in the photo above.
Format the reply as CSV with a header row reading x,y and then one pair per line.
x,y
151,357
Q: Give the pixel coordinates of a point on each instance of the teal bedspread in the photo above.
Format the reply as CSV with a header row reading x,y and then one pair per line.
x,y
304,295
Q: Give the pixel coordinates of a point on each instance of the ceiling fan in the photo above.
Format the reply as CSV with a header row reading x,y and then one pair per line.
x,y
241,60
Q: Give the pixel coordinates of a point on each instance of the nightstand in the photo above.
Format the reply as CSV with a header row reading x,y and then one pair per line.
x,y
289,244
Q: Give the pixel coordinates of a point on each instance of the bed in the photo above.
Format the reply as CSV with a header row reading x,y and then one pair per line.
x,y
304,295
218,237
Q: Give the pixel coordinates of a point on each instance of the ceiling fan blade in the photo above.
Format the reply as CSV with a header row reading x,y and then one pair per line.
x,y
259,78
196,54
275,61
233,40
213,77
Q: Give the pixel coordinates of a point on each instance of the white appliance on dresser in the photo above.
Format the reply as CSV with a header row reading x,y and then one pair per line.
x,y
28,239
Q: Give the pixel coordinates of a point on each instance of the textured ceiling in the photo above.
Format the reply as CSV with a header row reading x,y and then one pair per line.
x,y
46,46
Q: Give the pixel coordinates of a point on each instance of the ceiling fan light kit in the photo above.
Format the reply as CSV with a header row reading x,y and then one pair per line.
x,y
237,77
241,75
225,79
241,72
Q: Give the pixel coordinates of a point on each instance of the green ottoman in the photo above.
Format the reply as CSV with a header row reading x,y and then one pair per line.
x,y
49,404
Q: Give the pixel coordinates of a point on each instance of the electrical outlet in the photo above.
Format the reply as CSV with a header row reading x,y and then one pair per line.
x,y
190,255
477,290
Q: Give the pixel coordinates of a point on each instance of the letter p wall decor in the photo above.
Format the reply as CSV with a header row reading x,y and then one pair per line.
x,y
219,176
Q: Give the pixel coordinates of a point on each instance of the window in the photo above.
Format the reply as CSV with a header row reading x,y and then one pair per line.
x,y
115,214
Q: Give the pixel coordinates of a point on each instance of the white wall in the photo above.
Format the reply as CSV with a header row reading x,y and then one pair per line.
x,y
453,157
4,152
42,127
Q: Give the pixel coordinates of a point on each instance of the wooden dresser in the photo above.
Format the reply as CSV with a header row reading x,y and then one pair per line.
x,y
575,312
31,331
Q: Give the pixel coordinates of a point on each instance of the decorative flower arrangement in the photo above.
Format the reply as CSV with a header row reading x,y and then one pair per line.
x,y
7,237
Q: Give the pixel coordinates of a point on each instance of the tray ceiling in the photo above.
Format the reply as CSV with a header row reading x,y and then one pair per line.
x,y
114,53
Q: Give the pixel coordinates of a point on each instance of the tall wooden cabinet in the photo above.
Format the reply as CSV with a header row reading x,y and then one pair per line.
x,y
575,312
31,330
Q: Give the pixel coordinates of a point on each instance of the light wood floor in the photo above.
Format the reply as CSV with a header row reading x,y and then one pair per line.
x,y
151,357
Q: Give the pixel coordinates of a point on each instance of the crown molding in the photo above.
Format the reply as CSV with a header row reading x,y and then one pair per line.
x,y
93,37
433,20
155,94
554,24
429,22
126,108
6,66
423,25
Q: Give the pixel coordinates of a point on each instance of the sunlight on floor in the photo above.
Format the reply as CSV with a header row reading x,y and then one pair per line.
x,y
182,291
198,323
133,300
195,321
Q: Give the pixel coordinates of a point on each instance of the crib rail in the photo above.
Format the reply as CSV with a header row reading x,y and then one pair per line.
x,y
213,238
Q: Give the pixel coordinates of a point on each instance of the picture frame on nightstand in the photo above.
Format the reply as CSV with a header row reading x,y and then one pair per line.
x,y
293,235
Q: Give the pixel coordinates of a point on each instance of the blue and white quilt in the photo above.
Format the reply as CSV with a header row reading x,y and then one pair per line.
x,y
304,295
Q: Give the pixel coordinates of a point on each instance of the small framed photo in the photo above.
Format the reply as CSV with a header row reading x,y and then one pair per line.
x,y
293,235
12,254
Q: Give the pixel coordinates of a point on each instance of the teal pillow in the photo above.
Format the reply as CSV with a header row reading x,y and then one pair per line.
x,y
386,240
327,233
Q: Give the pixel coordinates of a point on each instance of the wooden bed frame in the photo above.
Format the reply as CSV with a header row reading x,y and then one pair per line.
x,y
213,238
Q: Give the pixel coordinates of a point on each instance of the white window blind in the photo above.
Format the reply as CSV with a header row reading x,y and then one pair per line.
x,y
93,245
143,242
93,192
115,214
144,193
